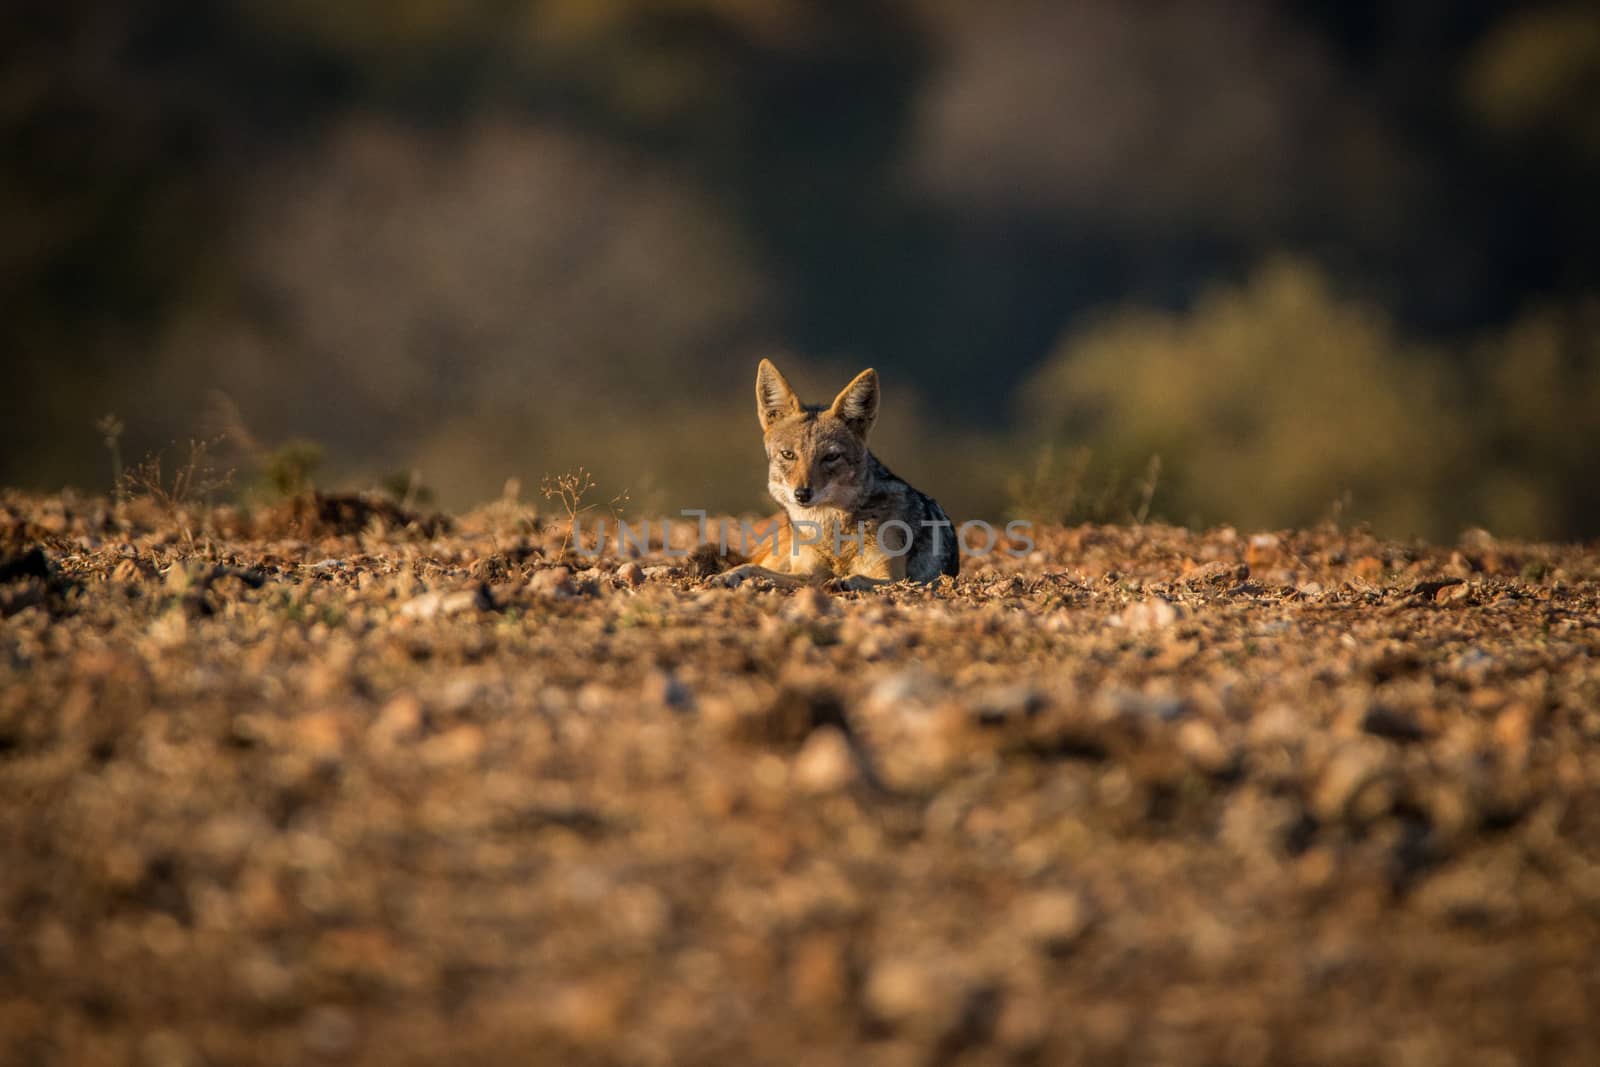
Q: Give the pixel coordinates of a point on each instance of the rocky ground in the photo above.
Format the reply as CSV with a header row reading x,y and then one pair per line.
x,y
333,782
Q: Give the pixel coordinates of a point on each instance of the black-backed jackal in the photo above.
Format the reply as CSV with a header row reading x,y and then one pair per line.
x,y
848,519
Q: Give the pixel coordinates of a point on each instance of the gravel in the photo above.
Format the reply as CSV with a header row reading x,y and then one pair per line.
x,y
329,782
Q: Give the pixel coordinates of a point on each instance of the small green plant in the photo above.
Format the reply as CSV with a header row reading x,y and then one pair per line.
x,y
287,470
406,489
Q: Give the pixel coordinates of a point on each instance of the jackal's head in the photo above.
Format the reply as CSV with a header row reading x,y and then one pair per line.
x,y
817,456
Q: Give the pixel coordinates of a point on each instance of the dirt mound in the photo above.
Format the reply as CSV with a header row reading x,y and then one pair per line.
x,y
318,514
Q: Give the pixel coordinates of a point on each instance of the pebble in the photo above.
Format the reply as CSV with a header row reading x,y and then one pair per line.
x,y
1512,728
666,689
166,1048
1263,548
263,978
553,582
899,992
398,722
328,1030
1368,568
1007,704
318,737
455,602
813,601
1149,615
1217,574
1052,920
825,763
460,745
912,686
819,978
458,695
586,1013
1023,1025
1467,894
1201,745
1352,785
928,997
631,575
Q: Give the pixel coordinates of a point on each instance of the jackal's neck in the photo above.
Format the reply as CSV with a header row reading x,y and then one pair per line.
x,y
824,521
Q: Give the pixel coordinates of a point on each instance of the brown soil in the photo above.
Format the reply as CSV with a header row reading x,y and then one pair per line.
x,y
334,783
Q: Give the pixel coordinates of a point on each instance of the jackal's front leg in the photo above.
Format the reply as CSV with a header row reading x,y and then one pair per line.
x,y
858,583
737,576
871,572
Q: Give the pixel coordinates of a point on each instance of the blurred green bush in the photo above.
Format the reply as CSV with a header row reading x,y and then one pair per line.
x,y
471,241
1535,420
1278,402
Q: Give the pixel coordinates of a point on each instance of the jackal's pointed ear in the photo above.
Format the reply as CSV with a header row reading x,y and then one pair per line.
x,y
858,404
774,399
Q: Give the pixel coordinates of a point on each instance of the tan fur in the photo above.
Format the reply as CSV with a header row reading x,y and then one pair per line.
x,y
820,469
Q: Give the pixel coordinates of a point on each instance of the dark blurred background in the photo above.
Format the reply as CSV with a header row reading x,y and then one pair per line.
x,y
1248,262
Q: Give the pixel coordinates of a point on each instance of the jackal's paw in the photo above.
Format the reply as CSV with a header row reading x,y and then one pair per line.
x,y
856,583
732,579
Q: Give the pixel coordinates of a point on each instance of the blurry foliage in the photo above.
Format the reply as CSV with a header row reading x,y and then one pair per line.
x,y
1265,114
1539,74
1266,402
287,470
474,305
1065,486
637,64
476,240
1538,422
1273,402
406,488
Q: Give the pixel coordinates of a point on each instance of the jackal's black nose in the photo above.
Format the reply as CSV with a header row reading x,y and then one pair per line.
x,y
802,495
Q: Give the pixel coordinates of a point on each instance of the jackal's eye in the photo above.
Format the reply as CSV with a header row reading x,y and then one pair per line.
x,y
786,454
832,457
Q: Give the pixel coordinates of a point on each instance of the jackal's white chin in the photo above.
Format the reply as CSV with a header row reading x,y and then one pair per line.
x,y
828,499
823,512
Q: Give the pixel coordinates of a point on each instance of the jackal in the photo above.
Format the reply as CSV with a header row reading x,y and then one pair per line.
x,y
848,519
